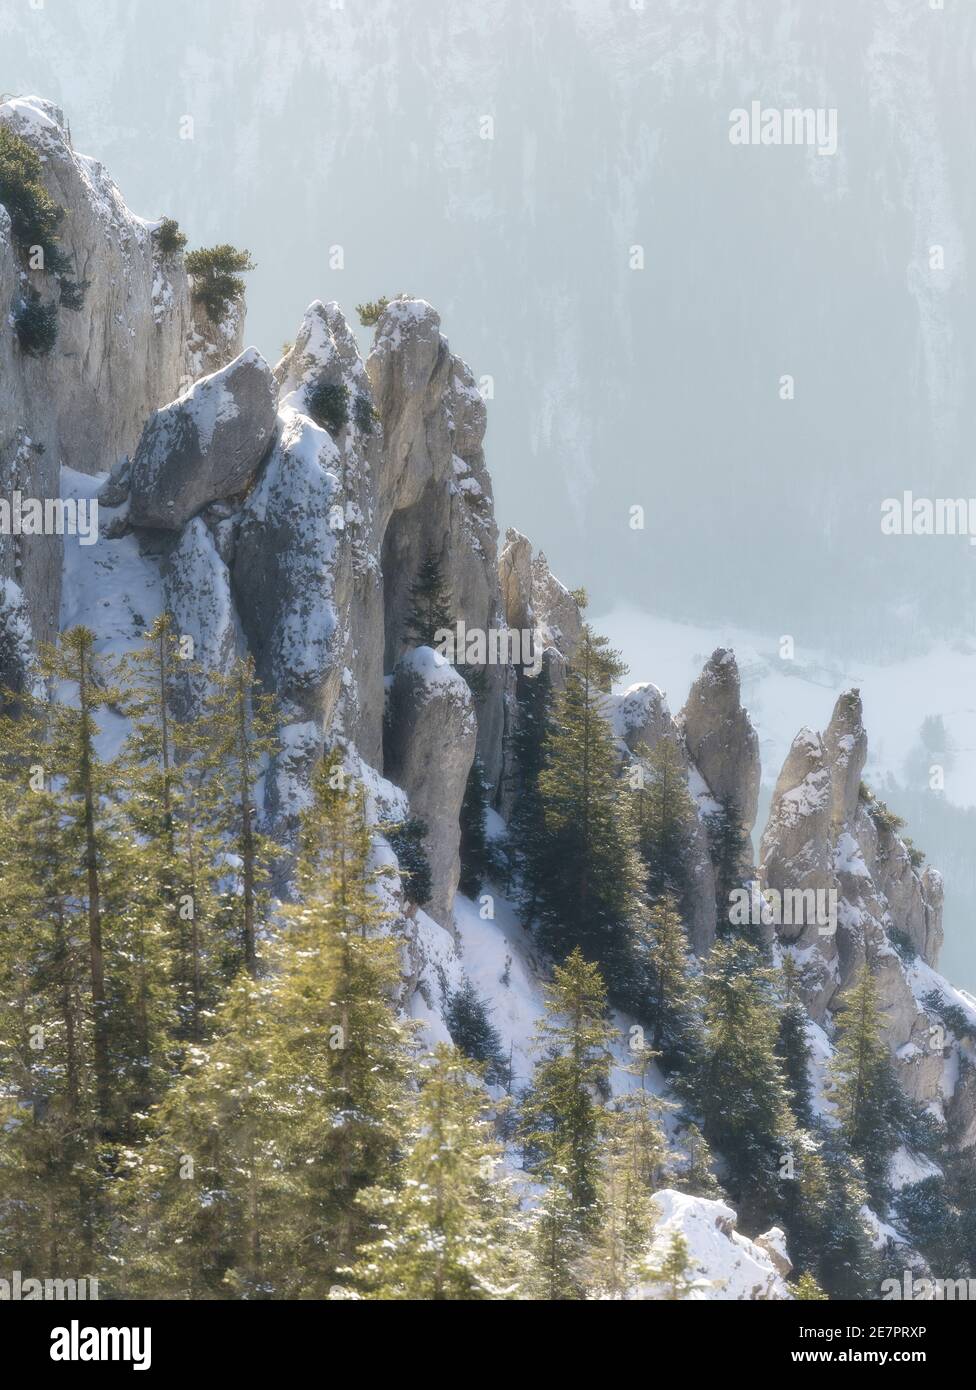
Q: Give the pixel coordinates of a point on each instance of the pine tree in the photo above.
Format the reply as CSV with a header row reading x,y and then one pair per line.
x,y
205,1210
841,1255
792,1046
173,806
561,1115
234,737
697,1177
665,816
341,1039
864,1088
634,1157
131,1006
430,603
247,1186
477,855
216,273
737,1084
807,1290
586,873
669,998
672,1270
728,846
408,842
468,1020
50,1123
526,826
450,1229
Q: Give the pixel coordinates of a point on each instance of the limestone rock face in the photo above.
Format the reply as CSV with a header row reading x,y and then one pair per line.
x,y
640,718
206,445
795,850
515,579
433,494
325,353
286,566
720,737
124,351
430,746
846,743
210,345
773,1242
796,855
197,589
556,612
116,358
641,715
823,835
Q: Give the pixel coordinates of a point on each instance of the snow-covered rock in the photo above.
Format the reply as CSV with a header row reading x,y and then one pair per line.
x,y
433,492
205,445
430,747
724,1264
196,586
720,737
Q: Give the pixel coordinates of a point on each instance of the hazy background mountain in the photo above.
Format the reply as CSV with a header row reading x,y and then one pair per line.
x,y
360,124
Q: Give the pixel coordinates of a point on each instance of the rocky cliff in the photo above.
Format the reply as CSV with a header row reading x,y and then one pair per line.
x,y
270,528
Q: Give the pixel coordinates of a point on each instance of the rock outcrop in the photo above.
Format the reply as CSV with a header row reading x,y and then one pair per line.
x,y
128,340
431,740
196,586
827,837
720,738
204,446
641,719
433,493
722,1263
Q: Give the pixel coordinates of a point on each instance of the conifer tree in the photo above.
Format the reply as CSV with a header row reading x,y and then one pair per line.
x,y
469,1022
807,1290
728,847
673,1270
841,1255
340,1037
558,1246
526,826
477,856
586,874
247,1186
131,1006
697,1177
408,842
450,1229
864,1088
430,602
235,736
737,1083
50,1124
562,1115
669,994
173,806
665,815
634,1157
792,1047
205,1210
